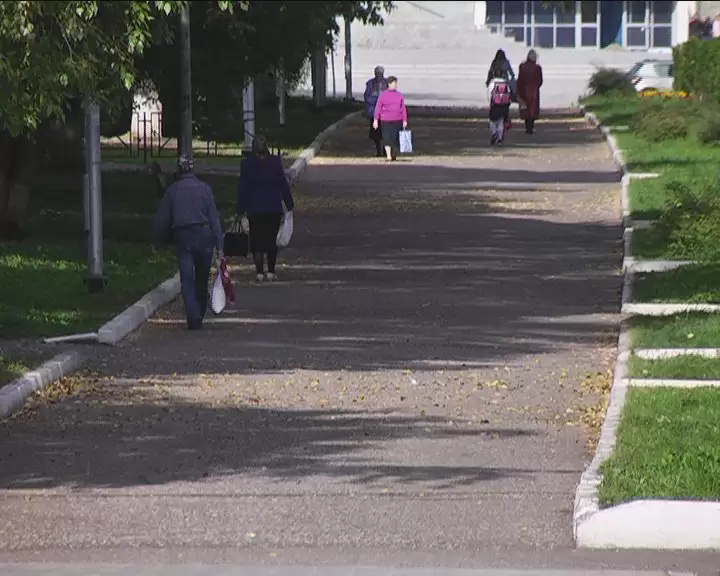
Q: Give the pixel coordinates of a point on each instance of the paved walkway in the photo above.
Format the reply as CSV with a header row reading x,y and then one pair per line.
x,y
413,385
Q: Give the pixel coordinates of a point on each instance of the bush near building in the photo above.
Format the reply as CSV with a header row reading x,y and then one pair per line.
x,y
697,68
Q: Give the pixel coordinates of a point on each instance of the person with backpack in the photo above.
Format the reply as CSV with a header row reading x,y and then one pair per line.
x,y
502,63
499,98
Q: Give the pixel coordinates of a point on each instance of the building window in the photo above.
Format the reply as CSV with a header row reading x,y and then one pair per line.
x,y
543,37
542,14
662,12
589,12
662,36
636,37
514,12
565,37
589,36
636,12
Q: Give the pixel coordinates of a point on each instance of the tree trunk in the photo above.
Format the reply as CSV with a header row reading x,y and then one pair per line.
x,y
17,156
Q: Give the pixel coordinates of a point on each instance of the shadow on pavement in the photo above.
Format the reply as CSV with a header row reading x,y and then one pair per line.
x,y
152,442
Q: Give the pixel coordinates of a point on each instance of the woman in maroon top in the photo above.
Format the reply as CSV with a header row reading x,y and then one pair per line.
x,y
530,79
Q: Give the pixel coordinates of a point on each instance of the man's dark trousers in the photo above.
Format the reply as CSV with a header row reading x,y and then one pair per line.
x,y
194,247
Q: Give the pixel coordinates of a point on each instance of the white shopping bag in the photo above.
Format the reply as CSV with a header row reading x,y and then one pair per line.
x,y
286,230
218,299
406,142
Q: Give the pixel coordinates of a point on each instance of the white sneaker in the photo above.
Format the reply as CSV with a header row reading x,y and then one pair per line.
x,y
260,278
271,277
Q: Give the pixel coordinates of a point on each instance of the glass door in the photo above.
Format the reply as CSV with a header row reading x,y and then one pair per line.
x,y
637,29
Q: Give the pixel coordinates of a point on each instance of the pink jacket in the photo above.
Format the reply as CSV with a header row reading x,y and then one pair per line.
x,y
390,107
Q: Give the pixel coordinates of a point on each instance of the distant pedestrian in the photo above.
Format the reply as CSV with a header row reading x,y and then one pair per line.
x,y
188,217
262,190
501,62
499,99
391,114
373,88
530,79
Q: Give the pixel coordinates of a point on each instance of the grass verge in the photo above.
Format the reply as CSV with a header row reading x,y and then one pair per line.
x,y
668,446
43,294
11,368
693,330
695,283
680,367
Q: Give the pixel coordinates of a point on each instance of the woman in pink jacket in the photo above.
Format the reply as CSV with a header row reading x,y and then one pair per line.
x,y
391,114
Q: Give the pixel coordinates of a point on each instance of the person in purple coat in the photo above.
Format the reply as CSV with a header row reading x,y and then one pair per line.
x,y
373,88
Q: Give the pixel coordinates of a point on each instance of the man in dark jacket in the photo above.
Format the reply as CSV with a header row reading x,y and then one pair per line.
x,y
189,216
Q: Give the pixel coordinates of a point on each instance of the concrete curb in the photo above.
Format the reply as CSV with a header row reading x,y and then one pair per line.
x,y
636,266
134,316
663,353
674,383
14,395
653,309
642,524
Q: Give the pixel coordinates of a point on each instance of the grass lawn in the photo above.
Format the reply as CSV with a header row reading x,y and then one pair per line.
x,y
11,368
683,160
42,293
668,446
693,330
696,283
303,124
681,367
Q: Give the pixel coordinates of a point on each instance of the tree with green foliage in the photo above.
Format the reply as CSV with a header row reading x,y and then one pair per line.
x,y
227,49
52,53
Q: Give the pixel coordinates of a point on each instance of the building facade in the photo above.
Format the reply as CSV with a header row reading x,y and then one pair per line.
x,y
592,24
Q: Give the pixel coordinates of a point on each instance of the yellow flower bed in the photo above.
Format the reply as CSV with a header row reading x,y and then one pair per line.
x,y
667,94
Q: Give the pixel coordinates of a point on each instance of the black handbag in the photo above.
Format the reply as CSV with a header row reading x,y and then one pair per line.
x,y
235,241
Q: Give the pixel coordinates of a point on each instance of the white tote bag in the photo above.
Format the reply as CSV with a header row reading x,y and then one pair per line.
x,y
218,299
286,230
406,142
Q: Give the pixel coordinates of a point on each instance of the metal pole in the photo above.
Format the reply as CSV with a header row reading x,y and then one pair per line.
x,y
249,114
95,279
281,94
185,140
348,59
332,66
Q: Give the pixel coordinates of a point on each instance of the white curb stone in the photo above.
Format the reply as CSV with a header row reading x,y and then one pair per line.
x,y
636,266
643,524
653,309
13,395
654,524
131,318
664,353
644,175
672,383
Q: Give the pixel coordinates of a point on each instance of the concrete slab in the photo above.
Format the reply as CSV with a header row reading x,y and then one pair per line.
x,y
672,383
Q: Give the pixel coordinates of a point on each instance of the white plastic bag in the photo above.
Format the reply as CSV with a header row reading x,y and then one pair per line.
x,y
405,142
218,299
286,230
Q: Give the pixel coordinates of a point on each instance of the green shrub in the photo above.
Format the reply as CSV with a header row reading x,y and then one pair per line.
x,y
659,119
697,68
708,128
690,221
608,81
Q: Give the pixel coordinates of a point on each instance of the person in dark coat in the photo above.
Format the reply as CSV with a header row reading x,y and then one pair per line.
x,y
530,79
188,217
373,88
262,191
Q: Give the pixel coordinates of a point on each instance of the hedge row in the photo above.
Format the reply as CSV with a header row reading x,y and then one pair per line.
x,y
697,68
